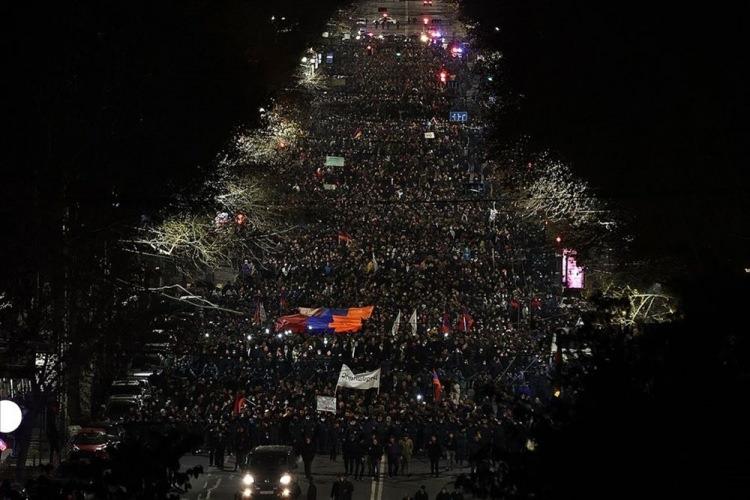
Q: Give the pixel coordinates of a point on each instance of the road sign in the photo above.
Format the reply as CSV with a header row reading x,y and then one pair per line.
x,y
459,116
329,58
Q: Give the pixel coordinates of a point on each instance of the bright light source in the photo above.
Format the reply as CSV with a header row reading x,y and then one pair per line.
x,y
419,397
424,38
285,492
398,54
497,28
304,60
206,335
268,331
247,493
249,337
248,479
10,416
426,20
558,239
285,479
557,393
489,78
278,335
262,110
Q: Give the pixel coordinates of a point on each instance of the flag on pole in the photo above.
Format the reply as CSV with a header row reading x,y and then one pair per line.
x,y
445,326
465,322
437,387
413,322
396,324
260,314
239,403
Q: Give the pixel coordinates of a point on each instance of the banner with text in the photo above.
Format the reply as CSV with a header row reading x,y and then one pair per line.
x,y
367,380
326,403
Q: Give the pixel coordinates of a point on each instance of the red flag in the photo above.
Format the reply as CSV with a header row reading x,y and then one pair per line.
x,y
445,327
465,322
437,387
239,403
344,236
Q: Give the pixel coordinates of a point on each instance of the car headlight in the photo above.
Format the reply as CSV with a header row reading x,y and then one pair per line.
x,y
248,479
286,492
247,493
285,479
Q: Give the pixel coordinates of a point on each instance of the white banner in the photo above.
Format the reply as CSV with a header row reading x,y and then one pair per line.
x,y
367,380
326,403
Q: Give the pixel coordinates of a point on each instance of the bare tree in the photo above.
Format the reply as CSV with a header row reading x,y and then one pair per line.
x,y
553,192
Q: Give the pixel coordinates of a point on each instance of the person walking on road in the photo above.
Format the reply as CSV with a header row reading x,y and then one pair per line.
x,y
342,489
450,450
407,449
434,451
359,459
393,452
307,450
375,454
421,494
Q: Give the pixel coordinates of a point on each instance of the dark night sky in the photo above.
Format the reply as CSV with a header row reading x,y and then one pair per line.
x,y
648,102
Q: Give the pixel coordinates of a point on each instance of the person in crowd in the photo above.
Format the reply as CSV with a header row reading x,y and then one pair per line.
x,y
421,493
342,489
434,452
307,452
393,453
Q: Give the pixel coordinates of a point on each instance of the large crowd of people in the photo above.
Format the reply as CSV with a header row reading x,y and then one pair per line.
x,y
413,221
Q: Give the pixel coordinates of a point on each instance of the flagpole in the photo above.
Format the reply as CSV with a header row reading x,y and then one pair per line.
x,y
506,369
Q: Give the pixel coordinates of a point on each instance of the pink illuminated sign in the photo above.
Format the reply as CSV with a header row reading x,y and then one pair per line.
x,y
572,273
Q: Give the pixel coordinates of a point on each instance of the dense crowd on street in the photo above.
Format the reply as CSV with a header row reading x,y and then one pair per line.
x,y
398,228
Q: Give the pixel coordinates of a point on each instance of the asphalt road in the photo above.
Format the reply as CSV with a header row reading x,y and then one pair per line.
x,y
223,484
217,484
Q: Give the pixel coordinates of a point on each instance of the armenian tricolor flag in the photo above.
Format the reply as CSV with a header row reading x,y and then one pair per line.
x,y
325,320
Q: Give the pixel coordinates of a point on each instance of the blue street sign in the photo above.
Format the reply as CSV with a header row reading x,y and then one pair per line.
x,y
329,58
459,116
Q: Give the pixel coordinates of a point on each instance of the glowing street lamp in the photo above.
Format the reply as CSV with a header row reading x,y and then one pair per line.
x,y
10,416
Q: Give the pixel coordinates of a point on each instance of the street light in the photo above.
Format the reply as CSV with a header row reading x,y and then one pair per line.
x,y
10,416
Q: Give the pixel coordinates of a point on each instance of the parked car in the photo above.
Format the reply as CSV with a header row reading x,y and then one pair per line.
x,y
91,441
130,387
119,407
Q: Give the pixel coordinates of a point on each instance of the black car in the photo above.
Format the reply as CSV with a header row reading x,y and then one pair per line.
x,y
270,473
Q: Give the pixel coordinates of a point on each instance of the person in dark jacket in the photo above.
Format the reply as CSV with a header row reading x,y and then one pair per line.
x,y
359,459
443,494
421,494
342,489
434,451
393,452
375,454
307,450
348,451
